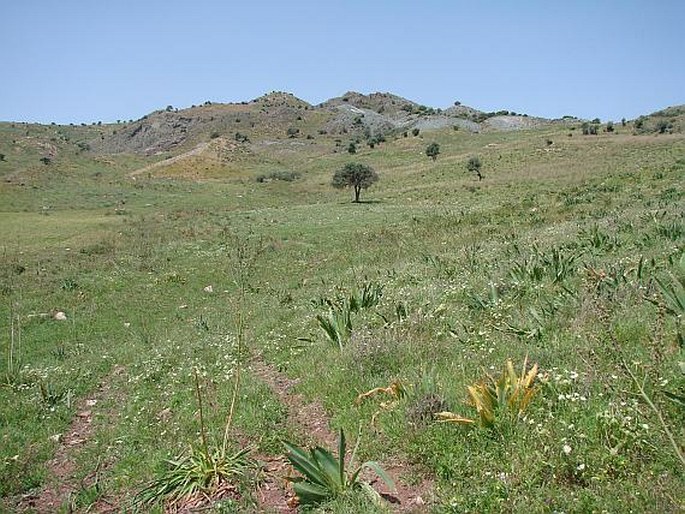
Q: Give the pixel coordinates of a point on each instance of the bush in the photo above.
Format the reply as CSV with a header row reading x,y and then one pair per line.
x,y
474,165
433,150
352,148
283,175
415,132
372,141
589,129
663,126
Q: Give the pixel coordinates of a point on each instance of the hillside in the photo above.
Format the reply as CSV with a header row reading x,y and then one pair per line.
x,y
276,116
667,121
213,139
171,291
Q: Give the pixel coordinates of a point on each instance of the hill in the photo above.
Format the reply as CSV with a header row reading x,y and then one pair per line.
x,y
279,115
215,139
667,121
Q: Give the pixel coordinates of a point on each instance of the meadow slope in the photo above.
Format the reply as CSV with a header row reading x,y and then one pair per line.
x,y
193,273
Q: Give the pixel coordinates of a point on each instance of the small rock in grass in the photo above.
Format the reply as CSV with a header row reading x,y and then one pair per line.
x,y
209,289
59,316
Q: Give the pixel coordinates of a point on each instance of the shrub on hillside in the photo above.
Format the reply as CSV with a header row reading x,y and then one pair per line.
x,y
663,126
283,175
589,129
474,165
433,150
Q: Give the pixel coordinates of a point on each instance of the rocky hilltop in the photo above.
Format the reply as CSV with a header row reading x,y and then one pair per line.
x,y
278,115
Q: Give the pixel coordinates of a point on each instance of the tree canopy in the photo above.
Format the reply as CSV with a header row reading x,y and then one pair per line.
x,y
433,150
355,175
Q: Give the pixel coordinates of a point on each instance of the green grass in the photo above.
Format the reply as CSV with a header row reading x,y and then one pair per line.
x,y
476,264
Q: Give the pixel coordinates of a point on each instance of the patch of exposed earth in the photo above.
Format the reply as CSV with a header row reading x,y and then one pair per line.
x,y
62,484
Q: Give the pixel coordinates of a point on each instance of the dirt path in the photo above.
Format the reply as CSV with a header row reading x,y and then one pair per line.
x,y
312,424
61,483
150,167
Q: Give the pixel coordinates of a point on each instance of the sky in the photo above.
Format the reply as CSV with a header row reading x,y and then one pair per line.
x,y
102,60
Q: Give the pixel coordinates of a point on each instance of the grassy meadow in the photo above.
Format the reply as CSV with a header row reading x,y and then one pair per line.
x,y
568,253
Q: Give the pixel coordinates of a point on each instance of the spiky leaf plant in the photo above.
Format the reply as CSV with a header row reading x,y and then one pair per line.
x,y
495,399
199,472
337,325
324,477
673,294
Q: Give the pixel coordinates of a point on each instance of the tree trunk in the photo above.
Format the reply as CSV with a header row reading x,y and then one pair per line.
x,y
357,192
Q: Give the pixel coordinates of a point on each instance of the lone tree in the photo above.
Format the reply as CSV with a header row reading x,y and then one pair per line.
x,y
433,150
474,166
355,175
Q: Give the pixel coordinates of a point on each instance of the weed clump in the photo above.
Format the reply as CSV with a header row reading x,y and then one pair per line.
x,y
423,409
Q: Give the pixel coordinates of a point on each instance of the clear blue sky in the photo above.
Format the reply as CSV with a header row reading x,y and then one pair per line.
x,y
89,60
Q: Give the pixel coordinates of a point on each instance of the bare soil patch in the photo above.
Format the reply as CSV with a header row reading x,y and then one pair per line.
x,y
62,483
